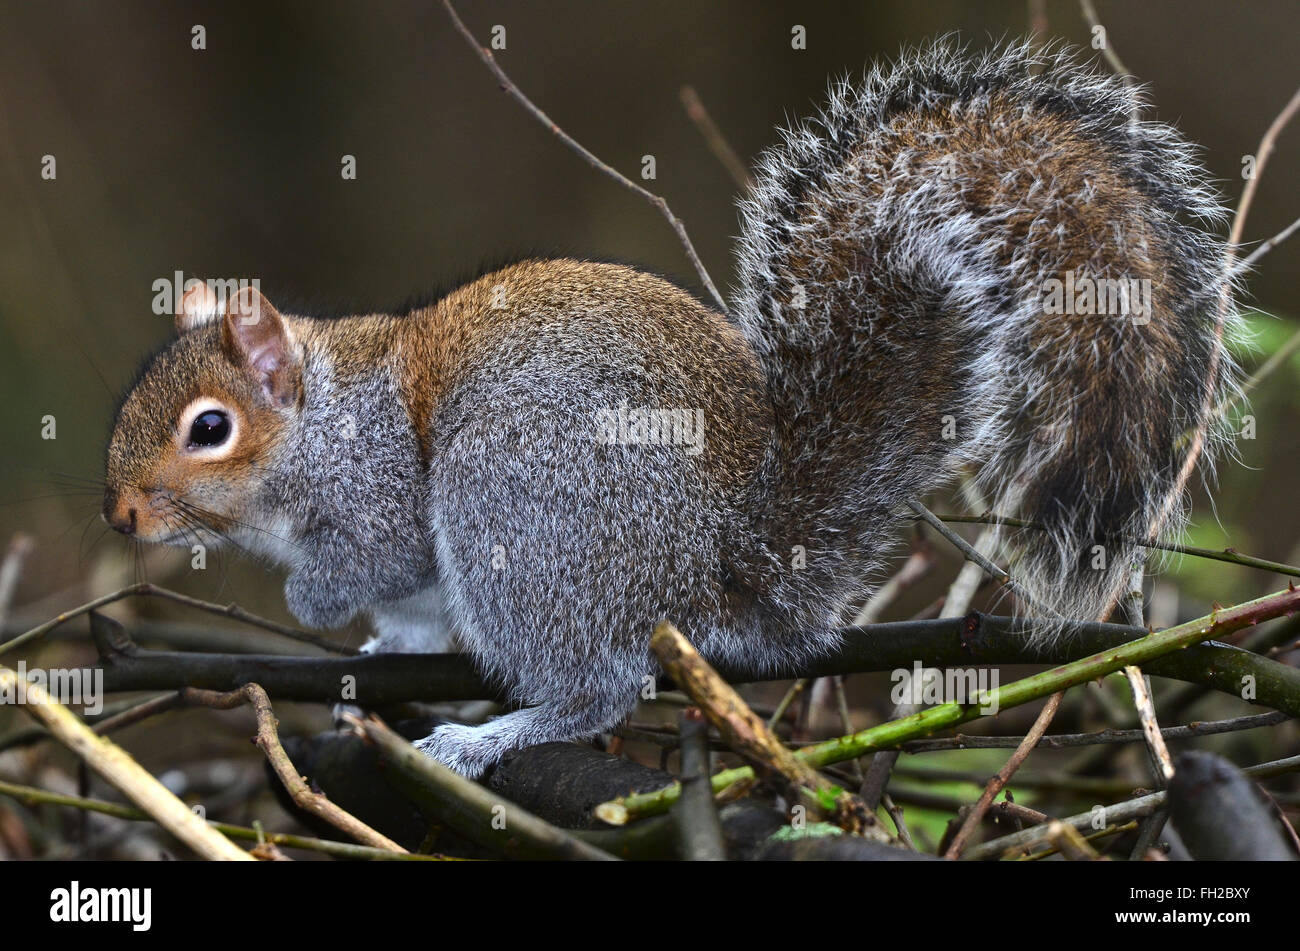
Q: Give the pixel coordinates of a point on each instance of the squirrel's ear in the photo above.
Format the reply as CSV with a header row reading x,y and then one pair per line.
x,y
198,307
255,336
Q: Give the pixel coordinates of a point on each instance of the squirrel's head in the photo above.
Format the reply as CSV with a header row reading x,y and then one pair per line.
x,y
197,436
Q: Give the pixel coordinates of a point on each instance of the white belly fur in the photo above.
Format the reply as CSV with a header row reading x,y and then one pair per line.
x,y
414,625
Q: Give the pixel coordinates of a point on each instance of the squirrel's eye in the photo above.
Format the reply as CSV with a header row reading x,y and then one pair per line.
x,y
210,429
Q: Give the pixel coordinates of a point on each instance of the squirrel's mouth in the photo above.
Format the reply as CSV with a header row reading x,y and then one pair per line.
x,y
176,539
157,517
184,536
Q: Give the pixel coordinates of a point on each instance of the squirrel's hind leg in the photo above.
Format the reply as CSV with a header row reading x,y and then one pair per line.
x,y
558,553
470,750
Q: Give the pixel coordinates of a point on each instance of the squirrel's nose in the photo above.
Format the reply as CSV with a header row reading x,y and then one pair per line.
x,y
122,523
120,517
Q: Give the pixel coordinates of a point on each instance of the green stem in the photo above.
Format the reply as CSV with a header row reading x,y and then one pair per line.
x,y
927,722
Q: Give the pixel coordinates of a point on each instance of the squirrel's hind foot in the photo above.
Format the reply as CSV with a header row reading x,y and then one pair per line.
x,y
472,750
469,750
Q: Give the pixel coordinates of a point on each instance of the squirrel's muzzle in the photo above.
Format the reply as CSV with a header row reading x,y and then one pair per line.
x,y
117,513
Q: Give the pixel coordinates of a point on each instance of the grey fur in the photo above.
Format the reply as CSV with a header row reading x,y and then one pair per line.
x,y
554,552
361,522
928,251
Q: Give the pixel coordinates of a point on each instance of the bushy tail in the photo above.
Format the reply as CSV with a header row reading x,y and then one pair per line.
x,y
981,260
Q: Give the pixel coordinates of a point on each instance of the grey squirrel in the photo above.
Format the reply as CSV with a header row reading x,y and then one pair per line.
x,y
964,260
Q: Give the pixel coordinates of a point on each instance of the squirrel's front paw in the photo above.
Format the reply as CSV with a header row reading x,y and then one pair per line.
x,y
316,603
466,749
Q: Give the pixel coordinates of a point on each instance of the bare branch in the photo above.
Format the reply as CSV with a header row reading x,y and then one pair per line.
x,y
714,138
144,589
996,784
915,568
748,735
1111,57
699,833
978,557
1268,246
33,796
510,89
268,741
1019,843
474,811
963,741
118,768
1230,555
975,639
1206,414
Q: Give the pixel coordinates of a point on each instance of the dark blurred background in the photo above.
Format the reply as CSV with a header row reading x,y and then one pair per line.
x,y
226,162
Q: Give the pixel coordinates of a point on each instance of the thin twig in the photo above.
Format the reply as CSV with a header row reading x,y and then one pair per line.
x,y
1013,811
896,816
34,796
1111,57
140,712
714,138
234,611
116,766
846,718
1266,369
1267,246
788,698
1252,721
268,741
1151,732
1266,147
145,589
996,784
1229,555
510,89
1162,765
1206,412
967,549
1046,781
1019,842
